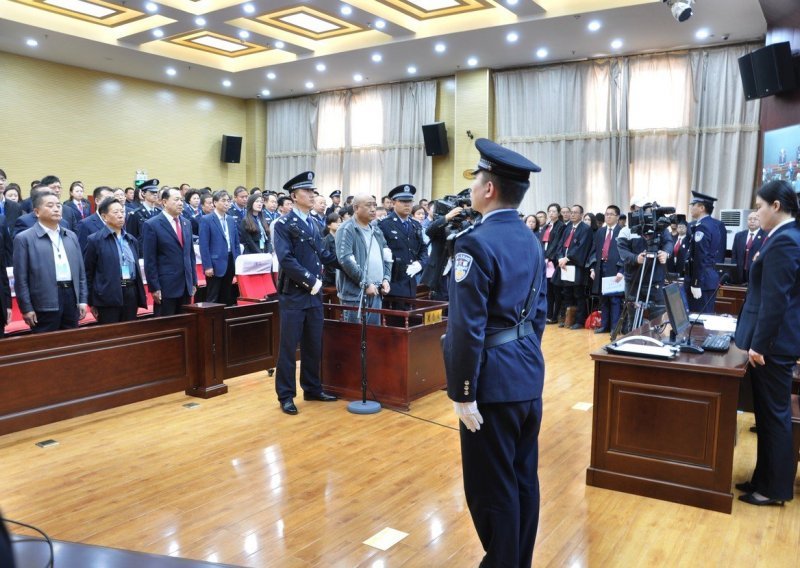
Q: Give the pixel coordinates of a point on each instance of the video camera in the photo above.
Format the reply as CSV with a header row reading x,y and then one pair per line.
x,y
446,204
650,220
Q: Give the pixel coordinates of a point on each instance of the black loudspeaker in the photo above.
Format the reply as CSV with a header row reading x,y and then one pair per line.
x,y
231,149
748,78
773,69
435,136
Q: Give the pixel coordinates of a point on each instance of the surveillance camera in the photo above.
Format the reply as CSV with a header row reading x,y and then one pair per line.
x,y
726,37
681,9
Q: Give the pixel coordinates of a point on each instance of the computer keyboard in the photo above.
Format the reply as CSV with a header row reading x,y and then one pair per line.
x,y
717,343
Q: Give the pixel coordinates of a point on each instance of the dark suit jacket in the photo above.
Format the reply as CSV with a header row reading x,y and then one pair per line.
x,y
432,273
72,218
88,227
551,252
12,212
577,254
406,249
35,271
770,319
613,264
28,220
738,252
677,262
103,275
7,249
213,246
87,208
251,241
5,290
169,267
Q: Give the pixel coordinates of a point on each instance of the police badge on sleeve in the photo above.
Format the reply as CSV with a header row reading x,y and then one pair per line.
x,y
462,264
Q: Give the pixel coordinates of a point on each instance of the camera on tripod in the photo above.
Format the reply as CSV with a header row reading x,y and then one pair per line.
x,y
651,219
446,204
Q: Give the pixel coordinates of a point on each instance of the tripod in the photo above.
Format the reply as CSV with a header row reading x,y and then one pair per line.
x,y
635,305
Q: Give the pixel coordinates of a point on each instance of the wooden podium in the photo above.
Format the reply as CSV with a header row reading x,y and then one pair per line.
x,y
404,359
666,429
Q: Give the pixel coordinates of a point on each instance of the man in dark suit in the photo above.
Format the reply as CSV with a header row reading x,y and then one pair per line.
x,y
746,245
676,263
28,220
68,215
607,263
298,246
49,276
93,223
169,257
5,289
336,199
219,247
571,273
404,237
113,276
149,209
706,244
433,275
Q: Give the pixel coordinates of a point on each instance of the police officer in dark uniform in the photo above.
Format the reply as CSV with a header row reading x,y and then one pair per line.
x,y
404,237
705,247
301,254
493,358
147,210
336,199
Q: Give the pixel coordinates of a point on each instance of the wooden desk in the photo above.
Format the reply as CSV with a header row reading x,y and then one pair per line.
x,y
666,429
730,300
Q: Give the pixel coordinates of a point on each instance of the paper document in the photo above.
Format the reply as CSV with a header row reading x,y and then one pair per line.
x,y
611,286
550,269
719,323
568,274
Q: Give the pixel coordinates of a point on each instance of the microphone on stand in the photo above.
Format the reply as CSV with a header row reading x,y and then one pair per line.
x,y
688,347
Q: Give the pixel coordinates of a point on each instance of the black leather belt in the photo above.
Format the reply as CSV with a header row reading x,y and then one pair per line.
x,y
64,283
508,335
128,282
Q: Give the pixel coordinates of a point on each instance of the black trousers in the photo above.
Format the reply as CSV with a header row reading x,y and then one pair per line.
x,y
220,288
500,464
776,466
65,317
552,294
303,326
126,312
576,296
170,306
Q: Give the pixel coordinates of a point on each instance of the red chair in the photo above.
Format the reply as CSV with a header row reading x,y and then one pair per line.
x,y
254,276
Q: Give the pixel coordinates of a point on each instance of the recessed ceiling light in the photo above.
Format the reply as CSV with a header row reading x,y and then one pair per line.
x,y
171,71
270,75
249,8
226,83
411,70
594,25
309,85
511,37
541,53
31,42
358,77
702,33
244,34
346,10
511,2
380,24
616,44
440,47
377,57
200,21
472,61
158,33
151,7
321,67
264,92
279,45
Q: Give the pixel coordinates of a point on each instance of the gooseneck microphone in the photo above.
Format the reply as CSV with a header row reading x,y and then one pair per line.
x,y
688,347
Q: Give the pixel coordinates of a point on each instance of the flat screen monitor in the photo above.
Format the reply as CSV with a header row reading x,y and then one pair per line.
x,y
730,270
676,310
781,158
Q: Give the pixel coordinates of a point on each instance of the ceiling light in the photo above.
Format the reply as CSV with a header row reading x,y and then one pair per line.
x,y
594,25
358,77
31,42
472,61
226,83
681,9
309,85
377,57
511,37
271,76
511,2
321,67
151,7
264,92
346,10
248,8
244,34
616,44
171,71
82,7
440,47
380,24
411,70
541,53
200,21
158,33
279,45
702,33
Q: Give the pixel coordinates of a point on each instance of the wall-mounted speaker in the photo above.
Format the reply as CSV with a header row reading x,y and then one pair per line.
x,y
748,77
773,69
435,136
231,149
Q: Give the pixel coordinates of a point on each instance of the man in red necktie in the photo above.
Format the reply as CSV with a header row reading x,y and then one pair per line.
x,y
608,264
746,245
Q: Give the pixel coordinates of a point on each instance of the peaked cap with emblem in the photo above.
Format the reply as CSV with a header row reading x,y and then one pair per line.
x,y
698,197
336,193
300,181
403,192
503,162
150,185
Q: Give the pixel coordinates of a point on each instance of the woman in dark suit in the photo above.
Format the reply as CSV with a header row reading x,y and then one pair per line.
x,y
254,229
550,236
77,202
769,330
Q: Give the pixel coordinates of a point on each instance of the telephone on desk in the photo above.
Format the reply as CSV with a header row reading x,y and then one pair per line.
x,y
653,349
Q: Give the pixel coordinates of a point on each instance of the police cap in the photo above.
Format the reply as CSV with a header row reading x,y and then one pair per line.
x,y
300,181
336,193
403,192
503,162
698,197
150,185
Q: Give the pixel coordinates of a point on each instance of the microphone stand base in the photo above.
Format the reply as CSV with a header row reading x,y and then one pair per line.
x,y
360,407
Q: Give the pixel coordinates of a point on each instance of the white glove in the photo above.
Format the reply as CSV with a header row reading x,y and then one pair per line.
x,y
317,287
468,413
697,293
413,268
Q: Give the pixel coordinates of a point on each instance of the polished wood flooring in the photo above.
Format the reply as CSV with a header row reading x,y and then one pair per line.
x,y
234,480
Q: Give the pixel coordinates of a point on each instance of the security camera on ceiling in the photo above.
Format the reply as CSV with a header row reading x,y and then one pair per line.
x,y
681,9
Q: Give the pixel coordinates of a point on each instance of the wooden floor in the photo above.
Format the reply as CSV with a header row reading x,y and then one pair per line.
x,y
236,481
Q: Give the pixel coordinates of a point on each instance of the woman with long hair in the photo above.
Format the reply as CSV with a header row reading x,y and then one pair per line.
x,y
550,238
254,229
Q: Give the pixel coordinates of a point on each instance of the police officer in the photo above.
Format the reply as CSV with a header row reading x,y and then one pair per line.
x,y
493,358
404,237
705,247
148,210
298,245
336,199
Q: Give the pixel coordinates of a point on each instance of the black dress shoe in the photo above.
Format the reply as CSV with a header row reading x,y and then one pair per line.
x,y
751,499
598,331
745,486
561,324
552,321
288,407
576,326
322,397
753,429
